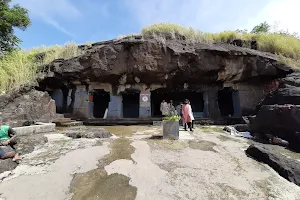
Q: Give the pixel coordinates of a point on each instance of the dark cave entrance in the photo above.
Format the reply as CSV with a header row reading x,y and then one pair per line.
x,y
196,99
225,101
131,103
101,100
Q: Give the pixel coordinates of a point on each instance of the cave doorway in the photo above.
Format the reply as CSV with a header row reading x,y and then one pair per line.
x,y
195,97
225,101
101,100
131,103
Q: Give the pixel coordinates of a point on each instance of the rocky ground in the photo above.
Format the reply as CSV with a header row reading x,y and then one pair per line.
x,y
137,164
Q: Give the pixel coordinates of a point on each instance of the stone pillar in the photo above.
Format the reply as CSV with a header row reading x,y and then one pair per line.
x,y
211,106
145,105
91,106
236,104
81,102
115,107
205,109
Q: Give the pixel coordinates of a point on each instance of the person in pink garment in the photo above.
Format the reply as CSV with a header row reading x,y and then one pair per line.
x,y
187,115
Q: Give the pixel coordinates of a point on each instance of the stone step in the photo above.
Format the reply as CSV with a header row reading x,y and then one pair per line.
x,y
62,120
73,123
59,115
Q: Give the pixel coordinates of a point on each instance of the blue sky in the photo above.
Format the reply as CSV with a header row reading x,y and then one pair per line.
x,y
82,21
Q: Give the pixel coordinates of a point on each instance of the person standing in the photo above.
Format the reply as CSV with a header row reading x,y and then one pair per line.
x,y
179,112
186,113
164,108
172,110
192,115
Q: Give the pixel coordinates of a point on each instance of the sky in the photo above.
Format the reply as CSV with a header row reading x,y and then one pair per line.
x,y
84,21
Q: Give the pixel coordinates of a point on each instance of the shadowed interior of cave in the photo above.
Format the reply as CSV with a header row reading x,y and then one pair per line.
x,y
101,100
196,99
225,102
131,103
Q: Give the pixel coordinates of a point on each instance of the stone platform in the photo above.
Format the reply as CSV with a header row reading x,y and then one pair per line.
x,y
155,121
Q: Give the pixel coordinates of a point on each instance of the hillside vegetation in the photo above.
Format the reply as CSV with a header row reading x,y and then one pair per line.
x,y
19,67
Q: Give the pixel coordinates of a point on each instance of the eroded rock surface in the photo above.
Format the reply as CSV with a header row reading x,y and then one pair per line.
x,y
26,104
286,167
86,132
279,120
173,62
7,165
288,91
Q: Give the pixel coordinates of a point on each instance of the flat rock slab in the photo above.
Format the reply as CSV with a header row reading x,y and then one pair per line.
x,y
286,167
86,132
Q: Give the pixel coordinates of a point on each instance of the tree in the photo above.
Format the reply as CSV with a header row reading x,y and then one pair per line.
x,y
261,28
11,17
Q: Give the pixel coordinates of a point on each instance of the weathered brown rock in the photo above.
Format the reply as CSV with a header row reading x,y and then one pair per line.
x,y
279,120
288,91
174,62
25,105
286,167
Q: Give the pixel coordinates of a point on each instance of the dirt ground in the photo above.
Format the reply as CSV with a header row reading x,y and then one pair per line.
x,y
138,164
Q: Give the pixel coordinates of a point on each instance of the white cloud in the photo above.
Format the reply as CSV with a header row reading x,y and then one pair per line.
x,y
50,10
284,13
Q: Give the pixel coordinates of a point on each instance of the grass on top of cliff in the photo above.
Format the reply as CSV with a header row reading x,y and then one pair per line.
x,y
19,67
288,47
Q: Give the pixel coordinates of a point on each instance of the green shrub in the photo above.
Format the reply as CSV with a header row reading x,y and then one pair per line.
x,y
172,118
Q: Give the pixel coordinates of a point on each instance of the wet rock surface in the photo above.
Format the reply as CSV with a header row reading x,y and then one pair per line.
x,y
86,132
279,120
172,62
25,105
286,167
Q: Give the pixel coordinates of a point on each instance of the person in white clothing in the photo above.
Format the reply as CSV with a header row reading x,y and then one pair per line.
x,y
164,108
192,115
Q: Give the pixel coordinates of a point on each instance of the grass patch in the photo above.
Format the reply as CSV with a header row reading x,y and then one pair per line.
x,y
19,67
211,129
286,46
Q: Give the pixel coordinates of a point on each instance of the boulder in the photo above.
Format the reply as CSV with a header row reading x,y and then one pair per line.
x,y
26,105
286,167
27,144
282,121
86,132
287,92
23,145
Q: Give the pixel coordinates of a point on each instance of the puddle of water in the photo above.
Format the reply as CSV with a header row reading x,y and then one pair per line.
x,y
125,131
96,184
